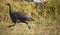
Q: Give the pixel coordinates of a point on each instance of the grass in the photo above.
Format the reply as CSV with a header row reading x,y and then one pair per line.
x,y
47,18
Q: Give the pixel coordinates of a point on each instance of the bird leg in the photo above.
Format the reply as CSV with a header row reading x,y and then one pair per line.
x,y
11,25
27,25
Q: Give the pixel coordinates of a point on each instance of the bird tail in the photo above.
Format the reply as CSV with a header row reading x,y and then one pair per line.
x,y
32,19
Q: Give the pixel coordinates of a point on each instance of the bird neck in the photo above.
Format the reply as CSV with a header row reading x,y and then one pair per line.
x,y
10,10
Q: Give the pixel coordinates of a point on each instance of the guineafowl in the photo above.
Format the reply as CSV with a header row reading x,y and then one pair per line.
x,y
17,17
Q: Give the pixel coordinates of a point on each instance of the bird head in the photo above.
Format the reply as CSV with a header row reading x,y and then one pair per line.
x,y
8,4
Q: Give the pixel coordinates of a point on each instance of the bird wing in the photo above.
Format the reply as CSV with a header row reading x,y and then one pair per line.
x,y
22,15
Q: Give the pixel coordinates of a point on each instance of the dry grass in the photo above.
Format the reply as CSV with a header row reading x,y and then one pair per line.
x,y
43,25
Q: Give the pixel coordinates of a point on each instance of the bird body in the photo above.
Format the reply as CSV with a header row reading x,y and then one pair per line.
x,y
20,17
17,17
